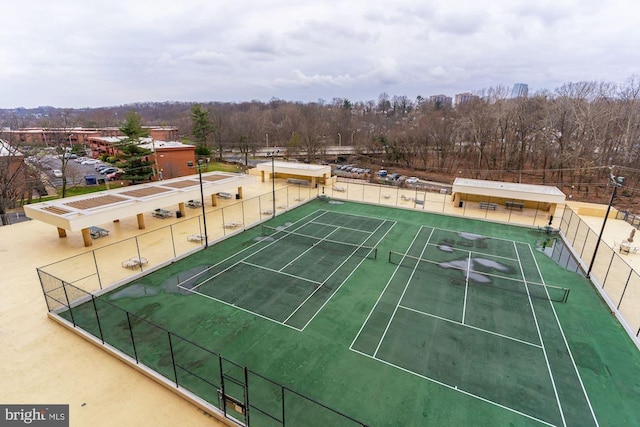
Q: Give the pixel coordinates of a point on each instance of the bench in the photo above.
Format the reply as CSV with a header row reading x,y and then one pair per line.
x,y
340,189
514,205
225,195
487,206
194,204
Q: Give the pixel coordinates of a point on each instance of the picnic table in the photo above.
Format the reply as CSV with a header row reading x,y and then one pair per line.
x,y
194,204
134,262
97,232
161,213
225,195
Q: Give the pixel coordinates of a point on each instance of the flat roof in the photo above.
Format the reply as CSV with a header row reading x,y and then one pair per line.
x,y
78,212
540,193
303,169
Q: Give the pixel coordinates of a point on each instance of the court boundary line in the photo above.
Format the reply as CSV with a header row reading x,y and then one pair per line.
x,y
566,344
544,349
262,267
453,388
466,288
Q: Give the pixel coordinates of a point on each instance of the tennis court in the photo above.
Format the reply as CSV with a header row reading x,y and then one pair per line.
x,y
386,316
292,271
472,313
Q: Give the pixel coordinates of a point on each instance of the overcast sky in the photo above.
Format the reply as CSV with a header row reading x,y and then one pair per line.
x,y
80,53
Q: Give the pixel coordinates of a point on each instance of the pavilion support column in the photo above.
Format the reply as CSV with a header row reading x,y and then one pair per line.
x,y
62,232
239,192
552,209
86,237
261,176
314,183
214,200
140,218
324,178
181,209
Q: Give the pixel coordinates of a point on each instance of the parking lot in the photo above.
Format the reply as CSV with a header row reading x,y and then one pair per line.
x,y
75,171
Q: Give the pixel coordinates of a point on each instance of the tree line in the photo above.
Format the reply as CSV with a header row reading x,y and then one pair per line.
x,y
573,136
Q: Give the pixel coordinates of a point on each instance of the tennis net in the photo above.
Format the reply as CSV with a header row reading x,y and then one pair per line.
x,y
342,248
535,290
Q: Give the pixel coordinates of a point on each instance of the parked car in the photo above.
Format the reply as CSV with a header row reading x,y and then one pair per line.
x,y
101,167
90,162
57,173
107,171
394,176
412,180
382,173
115,175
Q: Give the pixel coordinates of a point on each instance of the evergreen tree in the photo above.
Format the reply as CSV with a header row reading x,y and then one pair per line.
x,y
202,126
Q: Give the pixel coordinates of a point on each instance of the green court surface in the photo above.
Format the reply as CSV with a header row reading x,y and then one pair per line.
x,y
390,316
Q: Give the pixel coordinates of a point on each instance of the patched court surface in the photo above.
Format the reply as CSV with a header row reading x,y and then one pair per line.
x,y
392,317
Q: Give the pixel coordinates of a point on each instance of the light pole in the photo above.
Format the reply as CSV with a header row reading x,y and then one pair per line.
x,y
273,180
617,181
339,139
204,218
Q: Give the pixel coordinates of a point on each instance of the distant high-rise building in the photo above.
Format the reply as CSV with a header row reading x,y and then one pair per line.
x,y
464,97
441,100
520,90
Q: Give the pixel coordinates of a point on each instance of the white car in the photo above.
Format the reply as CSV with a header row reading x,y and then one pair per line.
x,y
412,180
90,162
57,173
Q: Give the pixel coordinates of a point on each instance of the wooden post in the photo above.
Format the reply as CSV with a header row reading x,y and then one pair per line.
x,y
214,200
141,225
62,232
86,237
181,209
240,192
262,176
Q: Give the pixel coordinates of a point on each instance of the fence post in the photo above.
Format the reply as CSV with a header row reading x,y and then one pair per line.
x,y
64,288
133,341
95,308
95,262
283,410
173,360
246,396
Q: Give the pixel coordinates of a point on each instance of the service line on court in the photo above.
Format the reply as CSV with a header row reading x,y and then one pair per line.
x,y
466,288
471,327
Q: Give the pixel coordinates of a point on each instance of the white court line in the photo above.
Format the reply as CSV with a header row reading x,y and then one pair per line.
x,y
544,351
344,228
453,388
564,338
246,310
393,223
466,288
402,295
281,272
471,327
246,249
309,249
381,294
